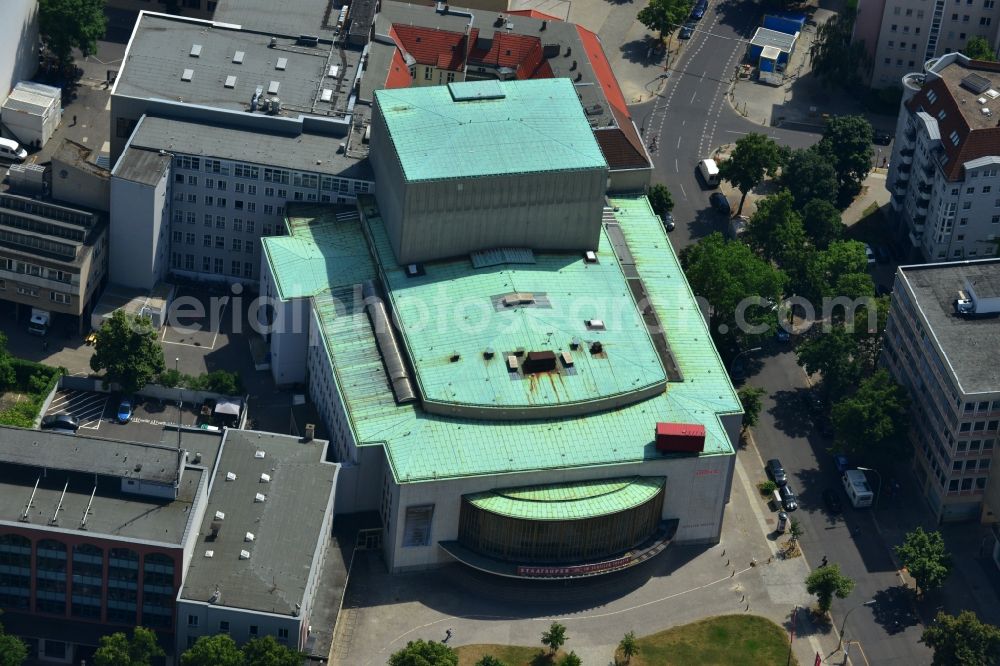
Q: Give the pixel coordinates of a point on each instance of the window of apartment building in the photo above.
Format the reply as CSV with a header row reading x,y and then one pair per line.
x,y
970,465
60,276
239,188
954,137
961,237
220,221
179,178
965,427
912,63
221,201
268,191
223,627
981,483
973,252
192,620
984,463
189,217
124,127
192,181
237,224
892,27
988,4
209,200
251,207
253,631
979,426
961,35
210,183
223,185
282,634
906,28
178,216
237,245
966,484
991,426
280,211
896,11
974,445
238,203
953,486
250,226
965,18
985,20
246,171
234,268
970,190
208,220
220,242
189,262
252,189
428,73
206,240
920,13
279,176
213,166
192,163
206,264
177,236
65,299
218,265
268,209
909,12
888,61
190,239
192,198
248,247
266,230
282,194
175,261
957,253
247,269
956,466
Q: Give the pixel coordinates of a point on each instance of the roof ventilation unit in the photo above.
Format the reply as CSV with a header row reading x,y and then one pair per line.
x,y
308,40
230,476
259,454
512,363
230,81
272,43
209,554
595,324
195,51
567,359
281,64
541,361
259,497
975,84
596,348
248,537
187,75
388,347
326,95
272,87
238,57
265,478
244,554
488,353
219,515
454,358
590,257
333,71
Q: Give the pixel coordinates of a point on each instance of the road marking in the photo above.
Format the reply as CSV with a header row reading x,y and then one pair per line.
x,y
735,132
693,95
676,167
678,142
683,193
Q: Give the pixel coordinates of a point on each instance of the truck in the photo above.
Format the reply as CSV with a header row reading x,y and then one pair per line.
x,y
39,323
857,488
709,171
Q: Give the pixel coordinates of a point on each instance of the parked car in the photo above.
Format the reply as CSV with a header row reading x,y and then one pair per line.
x,y
60,422
699,10
776,471
788,499
720,203
125,411
882,254
668,221
782,335
881,137
842,463
869,254
832,501
687,31
782,522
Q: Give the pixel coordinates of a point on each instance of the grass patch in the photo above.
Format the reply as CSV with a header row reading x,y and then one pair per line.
x,y
30,383
872,207
727,640
514,655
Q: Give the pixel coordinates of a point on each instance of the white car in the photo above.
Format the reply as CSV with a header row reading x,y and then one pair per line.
x,y
869,254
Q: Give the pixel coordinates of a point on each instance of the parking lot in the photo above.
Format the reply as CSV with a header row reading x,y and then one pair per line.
x,y
97,412
196,331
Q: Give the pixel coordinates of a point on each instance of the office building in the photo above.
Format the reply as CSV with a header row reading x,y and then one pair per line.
x,y
18,45
943,174
940,344
555,410
908,33
99,535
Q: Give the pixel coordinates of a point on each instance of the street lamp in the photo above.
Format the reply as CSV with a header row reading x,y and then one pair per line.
x,y
843,625
745,351
878,488
177,361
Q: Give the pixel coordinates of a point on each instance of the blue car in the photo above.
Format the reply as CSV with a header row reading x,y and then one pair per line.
x,y
842,463
699,10
125,411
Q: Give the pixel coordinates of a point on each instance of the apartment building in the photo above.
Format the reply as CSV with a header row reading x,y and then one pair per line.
x,y
946,357
52,257
943,174
214,128
911,32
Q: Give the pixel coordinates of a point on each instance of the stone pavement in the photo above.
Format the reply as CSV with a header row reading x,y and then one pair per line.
x,y
684,584
873,192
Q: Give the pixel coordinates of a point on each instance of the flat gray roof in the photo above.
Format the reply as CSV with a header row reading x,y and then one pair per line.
x,y
79,453
162,50
779,40
969,346
142,166
287,525
316,153
112,512
295,18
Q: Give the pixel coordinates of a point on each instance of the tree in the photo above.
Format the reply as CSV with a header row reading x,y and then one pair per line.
x,y
267,651
924,555
7,375
660,200
664,16
126,349
754,157
628,646
420,653
874,420
962,640
847,143
555,637
831,354
726,273
776,231
570,660
809,175
490,660
121,650
827,267
795,530
68,24
821,221
825,582
13,651
978,48
750,399
217,650
837,59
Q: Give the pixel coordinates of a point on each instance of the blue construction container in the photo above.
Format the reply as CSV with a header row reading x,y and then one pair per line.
x,y
787,23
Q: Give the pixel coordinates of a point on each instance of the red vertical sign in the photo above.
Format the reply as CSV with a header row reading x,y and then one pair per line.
x,y
818,661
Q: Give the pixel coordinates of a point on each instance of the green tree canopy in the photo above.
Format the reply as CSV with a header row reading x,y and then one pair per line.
x,y
750,399
490,660
726,273
978,48
7,375
570,660
660,199
837,59
754,157
421,653
962,640
834,355
827,582
68,24
267,651
874,420
139,649
664,16
628,646
126,349
776,232
13,650
808,175
827,268
217,650
554,637
795,529
847,143
822,223
924,555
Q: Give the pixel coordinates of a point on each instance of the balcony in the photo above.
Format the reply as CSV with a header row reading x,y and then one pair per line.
x,y
925,189
899,187
922,203
915,238
928,170
910,135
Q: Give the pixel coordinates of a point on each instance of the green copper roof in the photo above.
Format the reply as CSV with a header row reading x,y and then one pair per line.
x,y
456,310
421,446
485,128
569,501
318,253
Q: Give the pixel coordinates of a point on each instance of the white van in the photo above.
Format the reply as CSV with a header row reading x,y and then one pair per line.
x,y
857,488
11,150
709,171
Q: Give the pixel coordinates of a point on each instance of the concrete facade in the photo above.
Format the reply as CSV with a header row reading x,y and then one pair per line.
x,y
140,210
943,172
18,44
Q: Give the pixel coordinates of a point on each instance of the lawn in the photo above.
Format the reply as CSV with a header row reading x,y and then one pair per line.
x,y
727,640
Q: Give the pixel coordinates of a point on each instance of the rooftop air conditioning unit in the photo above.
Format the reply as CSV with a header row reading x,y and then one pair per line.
x,y
310,431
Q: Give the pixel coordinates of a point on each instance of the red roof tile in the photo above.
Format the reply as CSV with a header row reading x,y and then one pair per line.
x,y
399,73
429,46
602,69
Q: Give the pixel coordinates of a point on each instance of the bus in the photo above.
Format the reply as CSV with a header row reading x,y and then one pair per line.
x,y
857,488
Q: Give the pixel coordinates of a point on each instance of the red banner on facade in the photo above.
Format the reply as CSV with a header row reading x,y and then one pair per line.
x,y
575,570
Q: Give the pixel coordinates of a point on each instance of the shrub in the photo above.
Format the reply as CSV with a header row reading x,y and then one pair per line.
x,y
767,488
